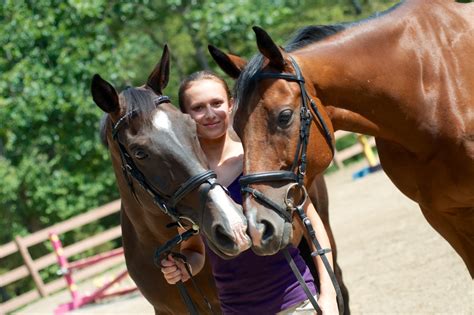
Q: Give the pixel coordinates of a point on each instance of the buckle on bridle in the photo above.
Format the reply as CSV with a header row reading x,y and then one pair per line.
x,y
302,170
193,224
157,201
290,202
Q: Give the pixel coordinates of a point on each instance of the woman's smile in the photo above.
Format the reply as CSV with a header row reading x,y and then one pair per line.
x,y
212,124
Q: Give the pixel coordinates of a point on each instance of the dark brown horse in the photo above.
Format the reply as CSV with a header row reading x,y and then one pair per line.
x,y
162,177
405,77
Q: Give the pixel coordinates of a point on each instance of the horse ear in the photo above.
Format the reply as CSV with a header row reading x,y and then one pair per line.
x,y
232,65
158,79
269,49
104,95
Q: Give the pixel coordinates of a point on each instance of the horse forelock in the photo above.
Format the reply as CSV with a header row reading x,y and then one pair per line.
x,y
246,83
140,101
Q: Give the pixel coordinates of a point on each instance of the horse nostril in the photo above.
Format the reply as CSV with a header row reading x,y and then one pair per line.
x,y
268,230
222,237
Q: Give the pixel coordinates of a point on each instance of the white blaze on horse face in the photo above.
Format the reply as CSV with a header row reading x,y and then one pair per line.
x,y
161,121
236,220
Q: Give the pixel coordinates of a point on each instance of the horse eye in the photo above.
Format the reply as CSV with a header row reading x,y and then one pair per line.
x,y
284,117
140,154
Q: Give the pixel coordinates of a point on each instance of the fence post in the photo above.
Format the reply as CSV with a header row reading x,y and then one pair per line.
x,y
367,150
30,266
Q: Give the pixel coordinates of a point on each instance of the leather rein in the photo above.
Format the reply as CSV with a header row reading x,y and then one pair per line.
x,y
167,203
296,176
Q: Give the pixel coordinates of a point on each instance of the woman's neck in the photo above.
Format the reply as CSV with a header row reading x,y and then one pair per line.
x,y
225,156
216,149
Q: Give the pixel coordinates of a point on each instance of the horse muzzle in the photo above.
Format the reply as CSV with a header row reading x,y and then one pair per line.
x,y
269,231
225,225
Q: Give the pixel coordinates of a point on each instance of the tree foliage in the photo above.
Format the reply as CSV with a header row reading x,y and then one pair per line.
x,y
49,50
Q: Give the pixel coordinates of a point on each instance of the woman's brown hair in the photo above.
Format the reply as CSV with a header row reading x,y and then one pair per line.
x,y
197,76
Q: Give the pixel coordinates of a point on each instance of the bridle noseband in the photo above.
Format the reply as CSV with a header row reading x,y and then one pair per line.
x,y
298,169
167,203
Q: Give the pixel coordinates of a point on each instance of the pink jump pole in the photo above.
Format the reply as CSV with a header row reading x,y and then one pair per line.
x,y
64,270
67,268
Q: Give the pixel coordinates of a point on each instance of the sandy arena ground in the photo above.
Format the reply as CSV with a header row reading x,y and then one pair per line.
x,y
393,261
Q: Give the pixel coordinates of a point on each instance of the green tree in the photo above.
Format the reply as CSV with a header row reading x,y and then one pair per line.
x,y
55,164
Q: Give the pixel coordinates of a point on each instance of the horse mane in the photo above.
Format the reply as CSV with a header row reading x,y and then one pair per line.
x,y
311,34
301,38
139,100
104,120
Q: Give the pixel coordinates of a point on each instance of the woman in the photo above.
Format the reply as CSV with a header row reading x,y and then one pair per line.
x,y
247,284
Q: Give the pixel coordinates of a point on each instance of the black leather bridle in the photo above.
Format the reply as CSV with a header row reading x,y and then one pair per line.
x,y
167,203
295,176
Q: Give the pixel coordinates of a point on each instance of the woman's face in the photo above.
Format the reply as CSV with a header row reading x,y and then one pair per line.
x,y
206,101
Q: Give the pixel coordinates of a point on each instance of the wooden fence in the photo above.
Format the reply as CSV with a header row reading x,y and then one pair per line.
x,y
32,266
341,155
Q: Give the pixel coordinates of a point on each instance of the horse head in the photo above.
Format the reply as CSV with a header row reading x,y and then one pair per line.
x,y
161,170
275,109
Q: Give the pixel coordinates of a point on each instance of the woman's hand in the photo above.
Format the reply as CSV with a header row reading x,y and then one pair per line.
x,y
174,270
328,304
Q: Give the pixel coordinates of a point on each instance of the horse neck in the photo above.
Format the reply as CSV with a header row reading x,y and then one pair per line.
x,y
149,225
367,82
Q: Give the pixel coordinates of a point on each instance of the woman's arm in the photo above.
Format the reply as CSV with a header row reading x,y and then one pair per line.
x,y
193,249
327,296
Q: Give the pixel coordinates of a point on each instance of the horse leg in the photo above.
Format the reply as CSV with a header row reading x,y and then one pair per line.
x,y
456,226
319,197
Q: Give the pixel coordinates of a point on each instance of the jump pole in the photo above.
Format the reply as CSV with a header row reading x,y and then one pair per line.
x,y
369,156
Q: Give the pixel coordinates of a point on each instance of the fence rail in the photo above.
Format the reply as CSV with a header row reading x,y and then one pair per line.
x,y
32,266
357,148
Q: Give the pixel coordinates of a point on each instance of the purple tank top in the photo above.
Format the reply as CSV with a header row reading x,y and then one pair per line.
x,y
251,284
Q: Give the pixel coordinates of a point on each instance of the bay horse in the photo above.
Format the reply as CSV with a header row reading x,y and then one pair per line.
x,y
163,179
405,77
317,192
